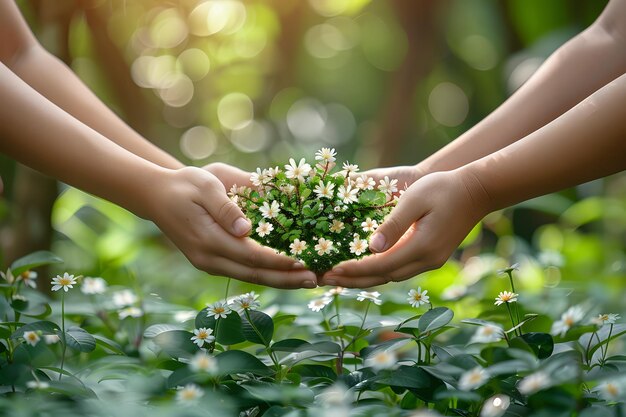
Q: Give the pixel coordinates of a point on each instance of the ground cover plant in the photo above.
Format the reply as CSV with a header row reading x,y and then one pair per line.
x,y
347,353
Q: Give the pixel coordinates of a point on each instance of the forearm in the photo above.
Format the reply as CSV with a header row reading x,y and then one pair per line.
x,y
585,143
38,133
567,77
61,86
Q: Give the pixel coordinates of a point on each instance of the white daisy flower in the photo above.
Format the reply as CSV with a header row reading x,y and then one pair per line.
x,y
201,362
271,172
495,406
264,228
336,226
418,297
189,394
326,155
347,194
37,385
270,211
64,282
287,189
488,334
319,304
603,319
348,169
202,336
533,383
130,312
371,296
257,178
51,339
385,359
358,246
610,390
93,285
323,246
28,278
506,297
297,171
124,298
218,309
32,338
324,190
297,246
369,225
246,301
572,316
363,182
472,379
337,291
388,186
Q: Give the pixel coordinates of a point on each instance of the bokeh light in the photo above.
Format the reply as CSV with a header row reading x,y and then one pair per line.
x,y
235,111
195,63
199,142
168,29
254,137
306,119
479,52
448,104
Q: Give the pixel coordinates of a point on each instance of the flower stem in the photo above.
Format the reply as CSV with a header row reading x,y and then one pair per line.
x,y
64,339
358,334
508,307
227,288
606,347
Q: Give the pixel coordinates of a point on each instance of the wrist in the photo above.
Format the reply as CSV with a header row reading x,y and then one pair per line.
x,y
473,180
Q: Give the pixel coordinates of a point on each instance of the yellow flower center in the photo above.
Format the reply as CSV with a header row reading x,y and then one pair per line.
x,y
65,281
203,335
219,310
32,337
612,389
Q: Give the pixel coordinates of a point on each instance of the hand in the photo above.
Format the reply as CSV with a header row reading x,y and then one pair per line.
x,y
229,174
191,207
431,219
406,175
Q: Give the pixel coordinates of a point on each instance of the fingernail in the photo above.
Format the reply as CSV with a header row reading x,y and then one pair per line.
x,y
337,271
330,281
309,284
377,242
241,226
298,265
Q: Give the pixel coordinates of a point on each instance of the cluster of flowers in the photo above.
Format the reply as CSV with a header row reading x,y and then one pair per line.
x,y
316,216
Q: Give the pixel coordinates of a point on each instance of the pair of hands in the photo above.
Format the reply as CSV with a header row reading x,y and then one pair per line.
x,y
419,235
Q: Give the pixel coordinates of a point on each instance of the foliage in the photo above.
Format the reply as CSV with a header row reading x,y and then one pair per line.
x,y
343,356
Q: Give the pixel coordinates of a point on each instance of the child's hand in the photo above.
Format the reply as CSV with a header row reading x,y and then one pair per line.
x,y
406,175
229,175
191,207
432,217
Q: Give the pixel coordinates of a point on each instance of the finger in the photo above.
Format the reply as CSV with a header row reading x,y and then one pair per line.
x,y
400,274
229,175
225,212
278,279
396,224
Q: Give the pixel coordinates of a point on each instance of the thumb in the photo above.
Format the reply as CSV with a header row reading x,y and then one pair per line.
x,y
395,225
227,214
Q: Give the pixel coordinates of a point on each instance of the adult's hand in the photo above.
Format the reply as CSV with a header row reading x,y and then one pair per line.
x,y
431,219
191,207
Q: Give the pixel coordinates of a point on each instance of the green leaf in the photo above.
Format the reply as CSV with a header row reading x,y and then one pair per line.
x,y
229,332
528,318
541,344
34,260
258,327
407,377
157,329
615,330
79,339
291,345
238,361
372,198
109,344
45,327
176,343
435,319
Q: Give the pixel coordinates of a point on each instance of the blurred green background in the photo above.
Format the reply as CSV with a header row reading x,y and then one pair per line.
x,y
254,82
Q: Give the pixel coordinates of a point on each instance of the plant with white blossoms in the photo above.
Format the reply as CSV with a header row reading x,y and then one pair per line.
x,y
418,297
92,286
472,379
571,317
202,336
312,214
64,282
533,383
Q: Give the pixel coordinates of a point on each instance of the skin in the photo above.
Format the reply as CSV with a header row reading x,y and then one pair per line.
x,y
565,126
57,126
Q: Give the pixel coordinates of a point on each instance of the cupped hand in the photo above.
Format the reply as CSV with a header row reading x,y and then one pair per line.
x,y
229,175
191,207
406,175
431,219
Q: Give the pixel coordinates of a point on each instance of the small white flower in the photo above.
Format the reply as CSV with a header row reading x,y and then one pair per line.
x,y
533,383
571,317
271,172
218,309
297,246
369,225
337,291
610,390
324,190
189,394
326,155
348,169
130,312
495,406
319,304
257,178
336,226
418,297
371,296
264,228
246,301
93,286
506,297
124,298
28,278
385,359
323,246
201,362
488,333
388,186
64,282
51,339
202,336
287,188
8,277
603,319
358,246
297,171
32,338
37,385
472,379
347,194
270,211
363,182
